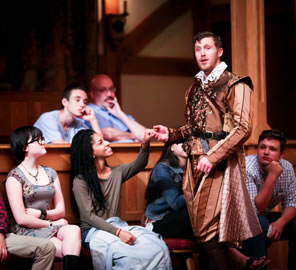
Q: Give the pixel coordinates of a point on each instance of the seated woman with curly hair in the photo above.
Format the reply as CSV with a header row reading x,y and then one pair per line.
x,y
96,187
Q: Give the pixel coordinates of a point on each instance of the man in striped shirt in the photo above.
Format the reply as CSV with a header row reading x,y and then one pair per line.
x,y
271,180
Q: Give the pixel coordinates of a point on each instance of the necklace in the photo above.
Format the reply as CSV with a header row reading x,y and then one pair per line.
x,y
35,176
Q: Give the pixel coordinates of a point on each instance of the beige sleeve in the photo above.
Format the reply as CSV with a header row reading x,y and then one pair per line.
x,y
239,102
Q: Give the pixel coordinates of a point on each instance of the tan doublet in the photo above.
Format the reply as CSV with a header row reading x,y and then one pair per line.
x,y
218,203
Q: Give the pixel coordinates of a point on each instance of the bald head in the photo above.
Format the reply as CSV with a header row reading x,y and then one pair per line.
x,y
102,89
100,81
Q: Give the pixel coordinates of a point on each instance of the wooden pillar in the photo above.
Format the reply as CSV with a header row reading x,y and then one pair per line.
x,y
248,55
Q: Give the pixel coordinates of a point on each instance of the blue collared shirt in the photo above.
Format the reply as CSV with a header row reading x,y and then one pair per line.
x,y
52,129
106,119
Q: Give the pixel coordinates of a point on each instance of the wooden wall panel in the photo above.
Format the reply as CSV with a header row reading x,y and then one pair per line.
x,y
20,108
19,111
4,118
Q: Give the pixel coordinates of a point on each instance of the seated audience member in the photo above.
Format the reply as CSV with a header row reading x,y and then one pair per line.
x,y
96,187
166,207
116,125
59,126
32,189
41,250
270,180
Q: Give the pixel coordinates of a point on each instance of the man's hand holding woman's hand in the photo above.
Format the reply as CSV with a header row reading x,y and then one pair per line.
x,y
161,133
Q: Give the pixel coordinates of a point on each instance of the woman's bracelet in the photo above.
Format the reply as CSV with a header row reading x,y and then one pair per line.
x,y
145,144
118,232
43,214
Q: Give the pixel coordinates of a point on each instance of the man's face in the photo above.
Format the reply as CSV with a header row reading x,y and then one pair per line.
x,y
207,55
76,103
104,91
268,151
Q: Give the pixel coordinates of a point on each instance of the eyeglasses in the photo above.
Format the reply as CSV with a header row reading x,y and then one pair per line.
x,y
105,90
40,140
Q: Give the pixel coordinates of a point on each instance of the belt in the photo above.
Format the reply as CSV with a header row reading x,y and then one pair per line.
x,y
209,135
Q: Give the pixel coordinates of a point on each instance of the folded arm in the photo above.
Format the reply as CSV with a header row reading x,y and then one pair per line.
x,y
15,197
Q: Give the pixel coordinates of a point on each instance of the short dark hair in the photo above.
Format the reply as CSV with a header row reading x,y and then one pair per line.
x,y
274,134
70,88
201,35
19,139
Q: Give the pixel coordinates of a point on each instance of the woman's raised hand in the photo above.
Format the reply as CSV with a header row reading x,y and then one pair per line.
x,y
148,134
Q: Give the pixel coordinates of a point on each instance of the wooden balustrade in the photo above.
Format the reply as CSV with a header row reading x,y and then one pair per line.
x,y
133,191
57,157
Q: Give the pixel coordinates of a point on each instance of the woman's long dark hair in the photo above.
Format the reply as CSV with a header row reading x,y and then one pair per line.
x,y
168,157
83,165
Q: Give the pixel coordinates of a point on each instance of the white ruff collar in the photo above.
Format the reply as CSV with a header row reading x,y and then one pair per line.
x,y
214,75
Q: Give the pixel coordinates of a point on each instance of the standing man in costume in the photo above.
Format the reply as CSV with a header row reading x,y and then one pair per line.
x,y
218,116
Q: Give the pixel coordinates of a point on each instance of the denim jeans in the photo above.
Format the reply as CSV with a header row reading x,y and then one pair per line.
x,y
149,252
257,246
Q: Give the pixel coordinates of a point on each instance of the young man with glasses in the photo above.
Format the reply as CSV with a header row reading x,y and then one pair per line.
x,y
271,180
116,125
60,126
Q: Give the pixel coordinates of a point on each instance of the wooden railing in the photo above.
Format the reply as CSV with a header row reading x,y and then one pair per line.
x,y
132,195
57,157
